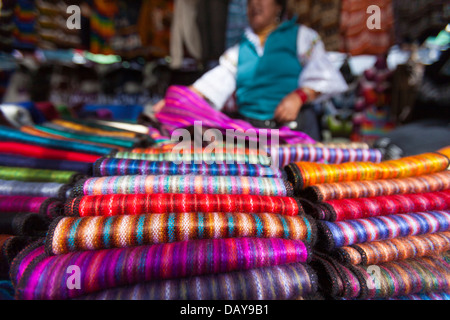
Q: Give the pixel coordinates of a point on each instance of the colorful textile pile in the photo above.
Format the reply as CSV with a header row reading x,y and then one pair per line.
x,y
384,238
38,172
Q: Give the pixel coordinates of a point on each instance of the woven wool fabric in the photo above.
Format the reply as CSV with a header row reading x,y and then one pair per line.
x,y
132,204
38,175
283,282
346,209
391,279
29,150
305,174
345,233
90,233
191,184
445,151
434,296
219,150
88,137
35,132
15,135
197,157
50,207
24,224
9,160
411,276
336,279
183,108
364,189
33,252
88,129
34,189
118,167
395,249
103,269
289,154
4,265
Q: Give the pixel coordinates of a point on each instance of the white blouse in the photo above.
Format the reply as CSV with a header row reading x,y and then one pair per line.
x,y
318,73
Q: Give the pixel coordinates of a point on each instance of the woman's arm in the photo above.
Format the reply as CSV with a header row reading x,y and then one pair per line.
x,y
216,85
318,79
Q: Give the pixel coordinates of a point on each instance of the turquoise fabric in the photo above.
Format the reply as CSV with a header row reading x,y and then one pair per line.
x,y
262,82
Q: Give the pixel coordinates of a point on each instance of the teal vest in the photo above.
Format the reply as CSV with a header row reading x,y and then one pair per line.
x,y
262,82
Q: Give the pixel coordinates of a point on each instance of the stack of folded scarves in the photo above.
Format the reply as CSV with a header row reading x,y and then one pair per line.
x,y
200,231
383,229
37,174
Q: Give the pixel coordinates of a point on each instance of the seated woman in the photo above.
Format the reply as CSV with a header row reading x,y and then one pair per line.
x,y
277,68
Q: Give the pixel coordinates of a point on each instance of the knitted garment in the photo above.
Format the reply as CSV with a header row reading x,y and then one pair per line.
x,y
34,189
346,209
345,233
9,160
191,184
103,269
283,282
38,175
91,233
290,154
305,174
364,189
391,279
197,158
18,136
395,249
30,150
120,167
134,204
50,207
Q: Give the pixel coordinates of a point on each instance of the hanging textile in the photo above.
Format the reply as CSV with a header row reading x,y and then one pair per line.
x,y
357,37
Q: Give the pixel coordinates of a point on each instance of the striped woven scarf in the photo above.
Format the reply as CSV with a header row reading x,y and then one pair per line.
x,y
346,209
119,167
68,234
103,269
191,184
365,189
345,233
305,174
395,249
134,204
285,282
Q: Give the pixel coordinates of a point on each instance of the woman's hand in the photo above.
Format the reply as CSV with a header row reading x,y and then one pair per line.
x,y
158,106
288,108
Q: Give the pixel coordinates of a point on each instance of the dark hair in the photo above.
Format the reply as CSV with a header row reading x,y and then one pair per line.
x,y
283,4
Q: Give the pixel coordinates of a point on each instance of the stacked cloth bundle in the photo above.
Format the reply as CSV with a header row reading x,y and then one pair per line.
x,y
198,231
39,166
383,229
